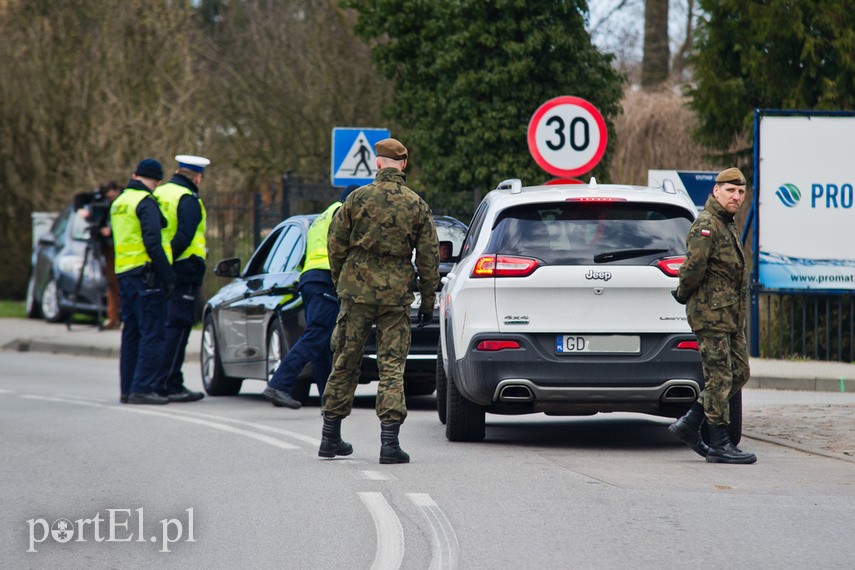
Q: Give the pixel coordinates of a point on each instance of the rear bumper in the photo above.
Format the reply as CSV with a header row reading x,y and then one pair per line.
x,y
533,378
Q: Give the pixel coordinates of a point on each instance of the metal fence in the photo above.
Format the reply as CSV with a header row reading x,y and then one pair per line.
x,y
818,326
238,221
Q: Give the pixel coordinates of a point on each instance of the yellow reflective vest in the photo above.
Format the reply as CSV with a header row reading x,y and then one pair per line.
x,y
129,248
316,240
168,195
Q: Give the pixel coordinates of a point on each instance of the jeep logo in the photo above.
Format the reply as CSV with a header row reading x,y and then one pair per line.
x,y
604,275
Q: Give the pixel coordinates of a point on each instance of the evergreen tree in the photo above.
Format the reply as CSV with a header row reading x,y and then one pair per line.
x,y
774,54
469,74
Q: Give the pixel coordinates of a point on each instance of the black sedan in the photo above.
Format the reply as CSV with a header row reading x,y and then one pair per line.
x,y
251,323
59,283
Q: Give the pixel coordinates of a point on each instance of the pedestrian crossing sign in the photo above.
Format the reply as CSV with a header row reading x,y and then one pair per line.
x,y
353,158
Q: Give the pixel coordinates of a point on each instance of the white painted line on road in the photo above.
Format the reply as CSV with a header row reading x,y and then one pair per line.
x,y
213,425
62,400
377,475
2,391
82,398
390,533
314,442
175,416
446,549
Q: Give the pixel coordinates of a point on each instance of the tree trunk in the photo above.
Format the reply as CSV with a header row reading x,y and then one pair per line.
x,y
654,63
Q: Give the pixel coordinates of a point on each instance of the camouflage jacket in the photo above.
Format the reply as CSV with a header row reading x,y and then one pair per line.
x,y
371,241
713,279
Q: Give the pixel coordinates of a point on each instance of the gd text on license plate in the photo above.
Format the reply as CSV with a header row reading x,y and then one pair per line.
x,y
592,344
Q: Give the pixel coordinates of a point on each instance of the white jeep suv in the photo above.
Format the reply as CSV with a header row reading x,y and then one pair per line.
x,y
561,303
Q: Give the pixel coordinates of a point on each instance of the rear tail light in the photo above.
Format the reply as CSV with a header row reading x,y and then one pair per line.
x,y
670,266
687,345
494,345
504,266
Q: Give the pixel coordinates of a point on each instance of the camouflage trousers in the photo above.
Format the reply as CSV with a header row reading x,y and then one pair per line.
x,y
348,340
725,360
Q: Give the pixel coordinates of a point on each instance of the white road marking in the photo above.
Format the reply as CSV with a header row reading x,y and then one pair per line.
x,y
176,416
314,442
62,400
446,549
390,533
214,425
2,391
83,398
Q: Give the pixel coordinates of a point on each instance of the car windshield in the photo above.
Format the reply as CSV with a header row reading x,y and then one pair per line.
x,y
454,234
580,233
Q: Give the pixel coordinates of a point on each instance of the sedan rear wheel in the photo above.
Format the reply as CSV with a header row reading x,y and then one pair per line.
x,y
214,380
50,307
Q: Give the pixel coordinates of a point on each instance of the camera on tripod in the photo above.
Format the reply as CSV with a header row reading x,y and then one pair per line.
x,y
97,208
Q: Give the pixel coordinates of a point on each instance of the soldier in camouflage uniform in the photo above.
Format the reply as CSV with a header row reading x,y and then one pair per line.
x,y
370,244
713,282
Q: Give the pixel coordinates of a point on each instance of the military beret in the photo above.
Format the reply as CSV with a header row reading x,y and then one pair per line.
x,y
730,176
390,148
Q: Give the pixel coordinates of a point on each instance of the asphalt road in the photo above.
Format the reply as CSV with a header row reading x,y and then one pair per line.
x,y
608,491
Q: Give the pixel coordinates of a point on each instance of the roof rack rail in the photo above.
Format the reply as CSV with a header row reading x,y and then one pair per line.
x,y
512,184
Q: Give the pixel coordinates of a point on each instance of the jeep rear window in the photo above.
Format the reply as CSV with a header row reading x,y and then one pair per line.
x,y
573,233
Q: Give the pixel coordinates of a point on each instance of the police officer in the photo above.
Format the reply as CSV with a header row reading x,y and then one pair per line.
x,y
321,306
143,260
713,282
185,227
371,241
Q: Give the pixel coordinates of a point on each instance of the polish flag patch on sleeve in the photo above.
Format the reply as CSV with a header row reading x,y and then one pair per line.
x,y
706,233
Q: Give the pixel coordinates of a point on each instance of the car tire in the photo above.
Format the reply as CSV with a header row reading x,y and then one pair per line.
x,y
464,419
734,428
31,307
441,387
214,380
277,348
49,306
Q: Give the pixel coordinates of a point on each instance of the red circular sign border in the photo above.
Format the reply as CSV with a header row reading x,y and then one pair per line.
x,y
567,100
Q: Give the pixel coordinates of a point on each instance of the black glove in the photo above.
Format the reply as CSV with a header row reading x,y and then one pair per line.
x,y
679,299
423,319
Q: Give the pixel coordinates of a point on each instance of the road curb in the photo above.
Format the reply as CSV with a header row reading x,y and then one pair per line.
x,y
35,345
798,446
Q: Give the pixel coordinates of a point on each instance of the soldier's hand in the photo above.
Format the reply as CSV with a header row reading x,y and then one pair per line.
x,y
679,299
423,319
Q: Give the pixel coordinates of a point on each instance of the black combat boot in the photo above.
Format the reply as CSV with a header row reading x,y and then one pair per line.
x,y
331,442
390,449
722,451
688,429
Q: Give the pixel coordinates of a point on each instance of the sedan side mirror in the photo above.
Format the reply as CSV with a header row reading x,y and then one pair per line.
x,y
228,268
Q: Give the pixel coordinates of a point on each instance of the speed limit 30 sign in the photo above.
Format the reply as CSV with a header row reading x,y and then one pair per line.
x,y
567,136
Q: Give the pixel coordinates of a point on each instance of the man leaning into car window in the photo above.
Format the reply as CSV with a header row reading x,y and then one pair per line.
x,y
321,305
370,243
713,280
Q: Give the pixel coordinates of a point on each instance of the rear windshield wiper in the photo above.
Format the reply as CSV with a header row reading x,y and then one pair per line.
x,y
608,256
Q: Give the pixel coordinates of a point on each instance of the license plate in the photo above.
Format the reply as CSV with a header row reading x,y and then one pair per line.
x,y
418,300
593,344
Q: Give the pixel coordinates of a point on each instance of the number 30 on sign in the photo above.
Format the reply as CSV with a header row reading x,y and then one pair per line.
x,y
567,136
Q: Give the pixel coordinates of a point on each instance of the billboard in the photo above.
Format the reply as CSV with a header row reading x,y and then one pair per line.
x,y
805,201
